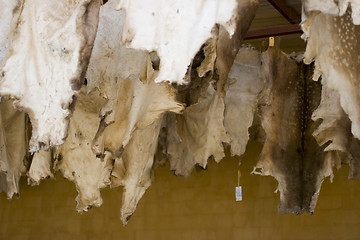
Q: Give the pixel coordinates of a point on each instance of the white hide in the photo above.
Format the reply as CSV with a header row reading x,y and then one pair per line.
x,y
13,147
175,29
40,167
7,13
333,42
197,134
49,51
133,169
334,7
77,162
242,90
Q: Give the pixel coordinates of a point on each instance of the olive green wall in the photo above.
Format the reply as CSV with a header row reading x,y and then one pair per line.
x,y
200,207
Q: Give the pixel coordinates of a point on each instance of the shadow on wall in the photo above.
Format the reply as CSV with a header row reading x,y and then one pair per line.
x,y
200,207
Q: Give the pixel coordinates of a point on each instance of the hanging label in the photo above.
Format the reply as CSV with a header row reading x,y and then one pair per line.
x,y
271,41
238,193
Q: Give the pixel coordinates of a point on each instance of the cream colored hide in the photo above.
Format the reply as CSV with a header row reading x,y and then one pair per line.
x,y
333,7
131,117
334,131
76,161
49,52
134,169
40,168
242,89
333,42
175,30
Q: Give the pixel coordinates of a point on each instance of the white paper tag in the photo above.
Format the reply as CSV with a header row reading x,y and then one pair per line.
x,y
238,193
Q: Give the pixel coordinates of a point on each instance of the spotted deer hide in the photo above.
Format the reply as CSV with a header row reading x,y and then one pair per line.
x,y
290,153
333,44
333,8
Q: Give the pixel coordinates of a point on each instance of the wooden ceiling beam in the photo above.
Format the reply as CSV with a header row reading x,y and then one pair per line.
x,y
274,31
288,12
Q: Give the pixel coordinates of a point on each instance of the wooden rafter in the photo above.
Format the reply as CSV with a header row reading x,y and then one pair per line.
x,y
274,31
288,12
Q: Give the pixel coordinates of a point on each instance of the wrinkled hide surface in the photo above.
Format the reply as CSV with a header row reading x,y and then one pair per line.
x,y
290,152
13,147
131,117
334,43
197,134
126,78
8,14
134,168
175,30
48,56
243,87
228,46
40,167
334,132
76,160
334,8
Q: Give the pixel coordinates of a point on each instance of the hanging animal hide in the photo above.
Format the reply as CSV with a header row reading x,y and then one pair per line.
x,y
290,153
126,77
333,7
49,52
40,167
134,168
334,132
8,13
175,30
197,134
13,147
334,42
243,87
76,161
131,117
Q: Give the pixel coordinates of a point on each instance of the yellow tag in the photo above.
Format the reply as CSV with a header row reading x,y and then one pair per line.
x,y
271,41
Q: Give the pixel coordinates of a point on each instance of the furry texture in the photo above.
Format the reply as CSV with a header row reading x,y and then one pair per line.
x,y
48,56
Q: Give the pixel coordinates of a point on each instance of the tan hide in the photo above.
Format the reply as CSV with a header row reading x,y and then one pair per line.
x,y
334,132
76,160
197,134
13,147
134,168
40,167
126,78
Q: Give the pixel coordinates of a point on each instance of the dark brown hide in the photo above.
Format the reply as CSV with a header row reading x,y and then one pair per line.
x,y
290,152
